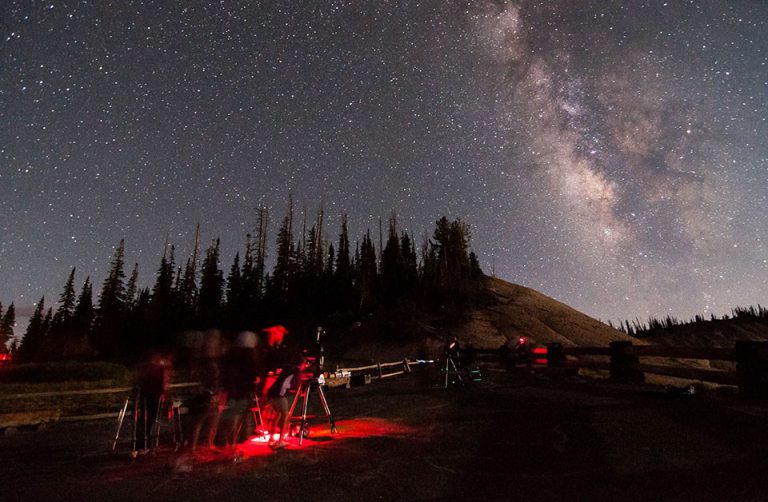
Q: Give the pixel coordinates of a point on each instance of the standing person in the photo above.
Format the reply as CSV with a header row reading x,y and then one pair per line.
x,y
239,378
211,387
154,377
288,379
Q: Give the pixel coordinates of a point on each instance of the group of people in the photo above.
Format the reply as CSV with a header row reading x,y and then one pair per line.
x,y
254,370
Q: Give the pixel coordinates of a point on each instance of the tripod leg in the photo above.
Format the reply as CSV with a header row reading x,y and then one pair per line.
x,y
145,424
120,418
327,409
257,414
302,429
155,432
135,423
293,406
456,370
178,438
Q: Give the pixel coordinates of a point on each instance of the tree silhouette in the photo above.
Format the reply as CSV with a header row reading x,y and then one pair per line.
x,y
7,322
211,288
84,314
34,339
108,332
285,265
66,308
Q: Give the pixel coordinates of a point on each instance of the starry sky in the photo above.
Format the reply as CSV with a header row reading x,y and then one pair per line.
x,y
610,154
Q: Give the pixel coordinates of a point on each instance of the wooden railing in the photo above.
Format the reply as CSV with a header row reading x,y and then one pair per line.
x,y
377,370
623,361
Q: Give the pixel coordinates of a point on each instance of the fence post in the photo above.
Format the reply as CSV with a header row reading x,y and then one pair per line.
x,y
555,356
752,369
379,365
624,366
406,366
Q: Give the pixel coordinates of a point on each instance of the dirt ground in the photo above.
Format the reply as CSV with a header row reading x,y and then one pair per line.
x,y
509,437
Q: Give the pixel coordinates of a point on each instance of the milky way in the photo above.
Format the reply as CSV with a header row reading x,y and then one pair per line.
x,y
609,154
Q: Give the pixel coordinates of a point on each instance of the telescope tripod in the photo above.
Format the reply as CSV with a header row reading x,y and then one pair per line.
x,y
258,420
139,405
303,392
451,368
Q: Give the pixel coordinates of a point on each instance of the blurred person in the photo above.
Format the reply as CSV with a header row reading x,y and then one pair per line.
x,y
215,398
153,380
288,379
239,373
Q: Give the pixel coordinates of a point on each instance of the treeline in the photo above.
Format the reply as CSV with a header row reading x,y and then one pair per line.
x,y
639,329
314,278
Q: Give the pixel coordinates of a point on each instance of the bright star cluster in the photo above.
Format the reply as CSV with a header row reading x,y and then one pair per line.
x,y
609,154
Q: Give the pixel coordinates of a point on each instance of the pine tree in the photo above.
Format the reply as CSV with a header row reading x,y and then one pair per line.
x,y
343,264
66,305
112,298
235,294
285,265
409,262
7,323
392,266
162,291
132,289
110,322
187,286
34,338
450,275
251,285
211,288
366,274
84,314
254,284
330,260
343,274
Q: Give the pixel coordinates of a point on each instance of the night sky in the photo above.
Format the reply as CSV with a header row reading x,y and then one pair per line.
x,y
609,154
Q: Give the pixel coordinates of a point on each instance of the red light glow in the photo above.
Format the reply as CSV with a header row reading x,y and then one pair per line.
x,y
320,436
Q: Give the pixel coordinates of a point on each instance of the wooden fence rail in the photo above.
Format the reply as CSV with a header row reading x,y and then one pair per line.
x,y
751,358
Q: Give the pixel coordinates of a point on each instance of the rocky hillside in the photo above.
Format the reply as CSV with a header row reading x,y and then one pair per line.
x,y
519,311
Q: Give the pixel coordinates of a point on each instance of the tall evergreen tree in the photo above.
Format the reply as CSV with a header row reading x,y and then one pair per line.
x,y
392,266
211,288
343,263
285,265
34,338
7,323
162,291
110,322
188,282
343,274
132,288
235,294
409,262
66,304
261,251
251,287
366,274
112,298
84,314
454,274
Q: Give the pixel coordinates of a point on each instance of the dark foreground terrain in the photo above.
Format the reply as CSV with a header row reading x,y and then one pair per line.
x,y
511,437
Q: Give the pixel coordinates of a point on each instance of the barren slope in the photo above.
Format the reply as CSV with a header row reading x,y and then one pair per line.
x,y
520,311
